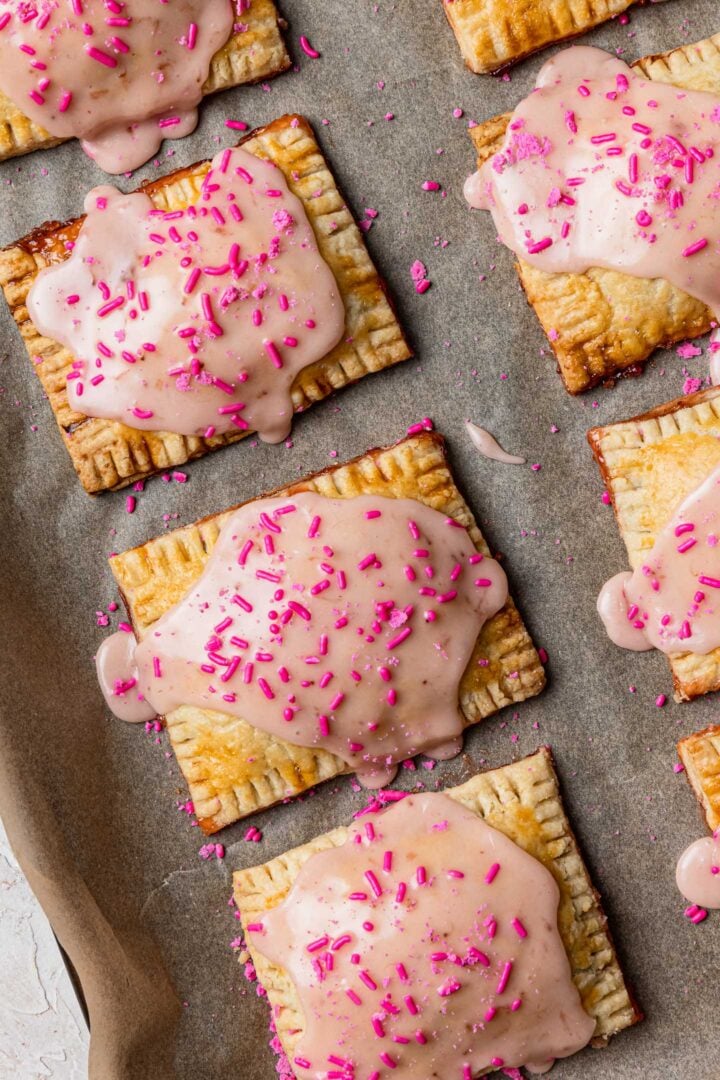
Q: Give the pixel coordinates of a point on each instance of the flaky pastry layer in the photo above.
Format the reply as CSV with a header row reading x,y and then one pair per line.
x,y
108,454
255,53
523,801
233,768
700,754
493,34
603,323
650,464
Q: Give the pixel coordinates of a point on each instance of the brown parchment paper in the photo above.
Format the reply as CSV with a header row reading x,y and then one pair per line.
x,y
90,803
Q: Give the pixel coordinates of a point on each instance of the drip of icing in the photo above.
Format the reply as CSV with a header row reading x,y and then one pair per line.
x,y
441,959
118,679
483,441
344,624
601,168
671,601
698,872
120,77
193,321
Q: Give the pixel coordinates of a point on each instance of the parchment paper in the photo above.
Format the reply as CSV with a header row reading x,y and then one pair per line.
x,y
90,803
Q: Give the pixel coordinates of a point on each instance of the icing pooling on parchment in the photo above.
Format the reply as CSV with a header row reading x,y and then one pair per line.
x,y
193,321
427,945
342,624
671,601
602,168
122,75
698,872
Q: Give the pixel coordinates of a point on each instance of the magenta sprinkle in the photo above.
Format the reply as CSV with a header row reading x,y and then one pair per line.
x,y
693,249
492,873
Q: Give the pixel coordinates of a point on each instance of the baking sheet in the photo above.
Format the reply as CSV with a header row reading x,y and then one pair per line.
x,y
91,803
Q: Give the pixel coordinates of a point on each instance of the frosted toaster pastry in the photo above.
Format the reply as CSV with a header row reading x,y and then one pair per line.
x,y
109,454
603,322
700,754
394,1009
652,465
254,50
493,34
234,768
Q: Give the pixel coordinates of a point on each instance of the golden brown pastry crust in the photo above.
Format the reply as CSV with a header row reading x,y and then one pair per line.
x,y
523,801
257,53
109,455
494,34
650,464
700,754
602,324
234,769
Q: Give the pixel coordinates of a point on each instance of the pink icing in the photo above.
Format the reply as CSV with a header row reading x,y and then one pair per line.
x,y
672,600
344,624
601,168
489,447
122,75
114,664
194,321
698,872
426,945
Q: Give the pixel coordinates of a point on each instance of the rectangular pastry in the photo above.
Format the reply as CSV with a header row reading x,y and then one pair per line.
x,y
700,754
255,51
108,454
602,323
233,768
651,464
493,34
522,801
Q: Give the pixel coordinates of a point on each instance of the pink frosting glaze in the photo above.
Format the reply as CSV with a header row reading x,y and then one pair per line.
x,y
344,624
122,75
672,601
489,447
427,945
698,872
602,168
193,321
118,680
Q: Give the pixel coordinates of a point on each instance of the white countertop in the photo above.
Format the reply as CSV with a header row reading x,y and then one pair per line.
x,y
42,1031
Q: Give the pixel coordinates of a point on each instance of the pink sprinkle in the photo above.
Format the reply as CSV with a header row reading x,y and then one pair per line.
x,y
492,873
236,125
373,882
399,638
539,245
504,976
693,249
100,56
519,928
421,875
308,49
